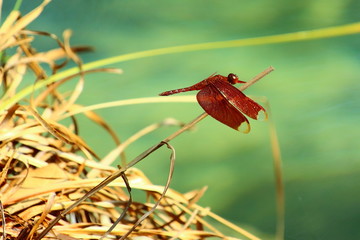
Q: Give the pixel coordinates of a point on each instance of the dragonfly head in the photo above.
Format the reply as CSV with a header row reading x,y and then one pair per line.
x,y
233,78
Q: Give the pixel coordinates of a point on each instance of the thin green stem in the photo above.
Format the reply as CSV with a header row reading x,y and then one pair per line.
x,y
17,5
280,38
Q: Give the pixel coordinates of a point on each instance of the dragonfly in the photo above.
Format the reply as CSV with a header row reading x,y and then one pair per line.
x,y
224,102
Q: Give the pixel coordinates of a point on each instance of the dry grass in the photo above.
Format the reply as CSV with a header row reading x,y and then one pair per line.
x,y
47,168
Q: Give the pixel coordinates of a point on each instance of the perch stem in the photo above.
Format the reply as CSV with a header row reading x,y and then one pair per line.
x,y
140,157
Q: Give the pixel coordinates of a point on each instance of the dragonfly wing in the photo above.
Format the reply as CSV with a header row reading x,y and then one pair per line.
x,y
218,107
240,101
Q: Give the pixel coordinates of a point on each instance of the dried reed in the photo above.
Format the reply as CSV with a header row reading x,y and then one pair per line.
x,y
47,168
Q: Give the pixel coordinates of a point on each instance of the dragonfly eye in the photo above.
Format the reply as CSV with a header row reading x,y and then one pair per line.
x,y
232,78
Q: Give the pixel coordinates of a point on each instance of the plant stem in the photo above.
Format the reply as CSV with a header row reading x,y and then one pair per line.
x,y
140,157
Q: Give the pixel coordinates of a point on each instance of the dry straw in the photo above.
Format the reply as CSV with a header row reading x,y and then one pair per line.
x,y
47,169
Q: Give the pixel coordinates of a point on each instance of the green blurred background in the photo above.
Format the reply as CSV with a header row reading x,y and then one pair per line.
x,y
314,96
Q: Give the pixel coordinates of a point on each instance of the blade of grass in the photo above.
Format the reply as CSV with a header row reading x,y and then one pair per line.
x,y
79,109
280,188
22,23
17,5
280,38
123,214
167,185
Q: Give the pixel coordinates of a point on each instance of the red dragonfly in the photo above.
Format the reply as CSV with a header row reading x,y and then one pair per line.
x,y
224,102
